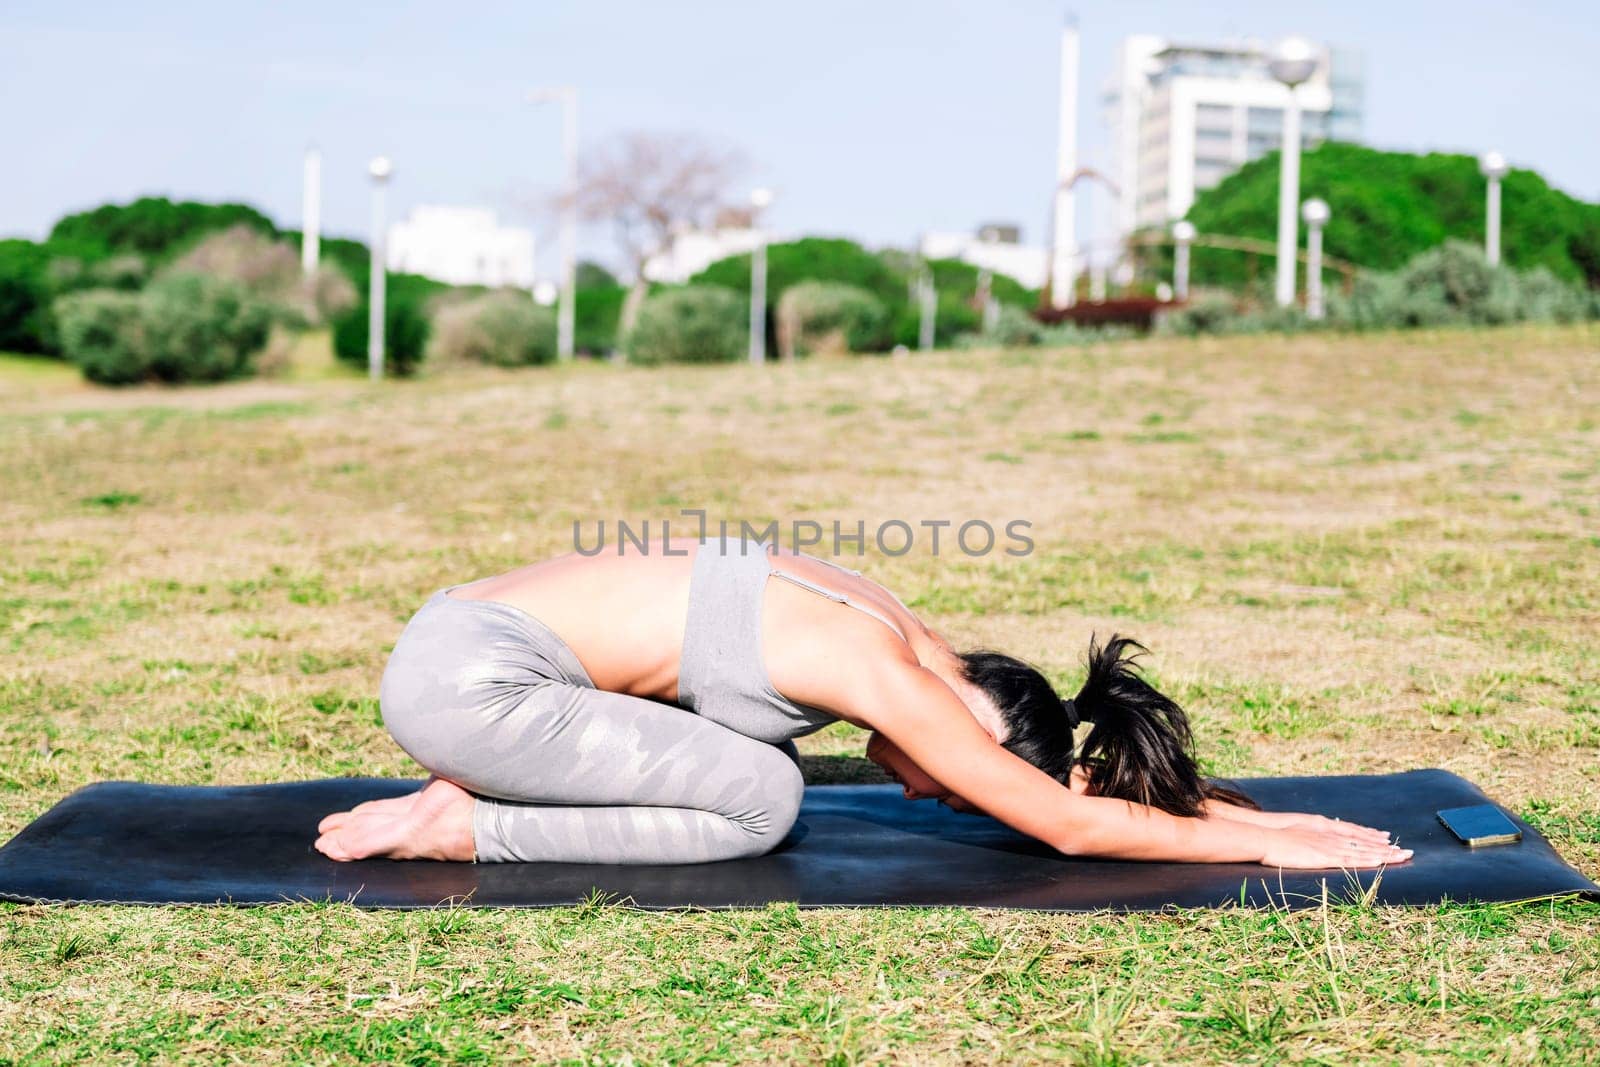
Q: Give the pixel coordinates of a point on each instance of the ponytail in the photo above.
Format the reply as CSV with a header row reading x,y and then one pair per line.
x,y
1139,746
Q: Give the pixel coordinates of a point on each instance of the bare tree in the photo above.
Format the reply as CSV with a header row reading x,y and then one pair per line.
x,y
651,187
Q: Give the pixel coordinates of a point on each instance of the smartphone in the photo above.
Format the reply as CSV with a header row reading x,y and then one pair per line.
x,y
1481,824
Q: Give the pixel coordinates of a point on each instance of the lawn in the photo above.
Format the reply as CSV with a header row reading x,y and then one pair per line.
x,y
1347,555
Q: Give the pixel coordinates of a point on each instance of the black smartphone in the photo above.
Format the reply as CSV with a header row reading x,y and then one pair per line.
x,y
1480,824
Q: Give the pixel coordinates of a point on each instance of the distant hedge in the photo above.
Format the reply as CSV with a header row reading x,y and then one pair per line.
x,y
1390,206
154,226
810,259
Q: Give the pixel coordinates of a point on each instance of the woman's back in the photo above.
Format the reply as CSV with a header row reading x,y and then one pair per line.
x,y
624,613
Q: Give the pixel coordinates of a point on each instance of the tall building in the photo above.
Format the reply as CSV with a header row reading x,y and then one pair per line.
x,y
462,246
1185,116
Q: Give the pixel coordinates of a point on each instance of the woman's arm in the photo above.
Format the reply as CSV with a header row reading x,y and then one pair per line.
x,y
916,710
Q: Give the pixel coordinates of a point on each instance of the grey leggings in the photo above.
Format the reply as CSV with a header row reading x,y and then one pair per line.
x,y
485,695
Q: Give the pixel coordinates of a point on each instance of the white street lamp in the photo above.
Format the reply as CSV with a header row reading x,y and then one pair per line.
x,y
1183,232
1316,214
1292,62
380,170
928,307
566,314
760,199
311,212
1494,167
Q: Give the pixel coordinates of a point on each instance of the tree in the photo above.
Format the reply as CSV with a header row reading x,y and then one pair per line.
x,y
650,187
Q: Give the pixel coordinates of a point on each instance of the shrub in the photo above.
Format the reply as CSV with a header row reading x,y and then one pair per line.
x,y
698,324
330,292
831,316
953,318
1013,327
505,329
25,294
596,317
102,333
270,270
821,259
1455,285
184,328
960,277
153,227
201,329
1210,313
405,332
1542,297
1389,207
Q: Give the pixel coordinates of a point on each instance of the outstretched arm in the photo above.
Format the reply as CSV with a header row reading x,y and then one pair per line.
x,y
916,710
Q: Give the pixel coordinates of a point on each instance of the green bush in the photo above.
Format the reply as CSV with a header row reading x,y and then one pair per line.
x,y
961,278
831,316
405,332
102,333
269,269
25,295
202,329
596,316
505,329
953,318
820,259
1013,328
153,227
697,324
1389,207
1454,285
183,328
591,275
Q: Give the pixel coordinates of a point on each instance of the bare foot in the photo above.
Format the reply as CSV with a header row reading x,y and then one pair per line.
x,y
389,806
436,826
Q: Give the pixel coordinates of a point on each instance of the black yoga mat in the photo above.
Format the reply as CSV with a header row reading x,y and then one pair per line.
x,y
853,845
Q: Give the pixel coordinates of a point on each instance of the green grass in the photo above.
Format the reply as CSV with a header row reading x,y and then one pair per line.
x,y
1347,555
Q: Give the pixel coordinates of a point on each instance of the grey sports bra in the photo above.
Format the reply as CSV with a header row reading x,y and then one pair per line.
x,y
722,675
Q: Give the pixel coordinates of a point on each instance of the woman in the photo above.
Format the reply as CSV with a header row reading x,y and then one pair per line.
x,y
640,708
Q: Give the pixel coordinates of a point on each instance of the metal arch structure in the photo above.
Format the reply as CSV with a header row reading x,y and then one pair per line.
x,y
1066,187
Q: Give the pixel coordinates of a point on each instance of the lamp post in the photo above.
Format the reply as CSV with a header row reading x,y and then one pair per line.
x,y
1293,61
1183,232
311,212
760,199
1494,167
1316,215
928,307
380,170
566,314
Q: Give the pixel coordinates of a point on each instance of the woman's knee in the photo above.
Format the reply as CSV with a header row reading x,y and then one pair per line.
x,y
781,788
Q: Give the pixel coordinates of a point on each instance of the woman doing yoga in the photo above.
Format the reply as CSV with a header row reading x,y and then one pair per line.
x,y
640,707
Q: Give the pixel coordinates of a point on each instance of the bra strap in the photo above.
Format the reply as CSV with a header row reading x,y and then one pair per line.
x,y
838,598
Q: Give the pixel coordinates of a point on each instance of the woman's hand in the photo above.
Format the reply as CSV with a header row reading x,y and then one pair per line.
x,y
1335,844
1294,820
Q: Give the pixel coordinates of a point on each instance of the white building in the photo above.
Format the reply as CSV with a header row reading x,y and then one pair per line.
x,y
462,246
996,248
693,251
1185,116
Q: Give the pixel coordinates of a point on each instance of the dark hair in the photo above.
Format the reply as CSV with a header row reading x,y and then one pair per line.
x,y
1139,747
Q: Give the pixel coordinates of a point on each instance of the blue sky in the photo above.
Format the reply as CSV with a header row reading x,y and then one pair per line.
x,y
875,120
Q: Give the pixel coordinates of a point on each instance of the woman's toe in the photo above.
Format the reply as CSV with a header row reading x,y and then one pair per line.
x,y
332,822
